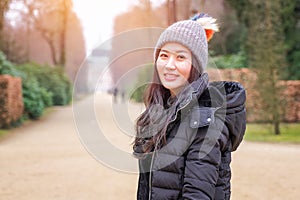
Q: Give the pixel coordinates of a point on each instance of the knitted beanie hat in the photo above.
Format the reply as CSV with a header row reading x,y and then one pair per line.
x,y
191,34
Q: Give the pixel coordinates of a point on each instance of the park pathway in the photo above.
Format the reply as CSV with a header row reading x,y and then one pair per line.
x,y
46,160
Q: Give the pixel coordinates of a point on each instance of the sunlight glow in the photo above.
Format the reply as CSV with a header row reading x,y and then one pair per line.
x,y
97,17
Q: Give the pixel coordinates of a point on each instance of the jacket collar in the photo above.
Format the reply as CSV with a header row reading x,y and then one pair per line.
x,y
190,94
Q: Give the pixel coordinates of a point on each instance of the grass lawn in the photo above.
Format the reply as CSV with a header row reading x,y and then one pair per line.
x,y
2,133
290,133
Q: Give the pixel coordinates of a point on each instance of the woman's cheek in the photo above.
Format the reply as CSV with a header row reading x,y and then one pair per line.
x,y
160,65
184,69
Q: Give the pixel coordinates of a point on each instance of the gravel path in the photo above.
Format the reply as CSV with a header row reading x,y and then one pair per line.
x,y
46,160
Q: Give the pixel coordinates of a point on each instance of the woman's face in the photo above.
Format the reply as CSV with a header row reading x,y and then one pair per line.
x,y
174,64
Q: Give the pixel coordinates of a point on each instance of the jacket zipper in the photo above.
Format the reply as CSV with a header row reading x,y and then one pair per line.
x,y
150,175
152,159
179,110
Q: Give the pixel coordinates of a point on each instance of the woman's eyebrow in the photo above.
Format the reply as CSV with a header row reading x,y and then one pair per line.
x,y
181,51
178,51
165,50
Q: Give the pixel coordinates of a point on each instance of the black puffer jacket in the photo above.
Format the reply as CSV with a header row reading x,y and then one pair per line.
x,y
195,162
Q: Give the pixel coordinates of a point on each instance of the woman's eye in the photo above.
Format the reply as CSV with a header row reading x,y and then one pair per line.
x,y
163,55
181,57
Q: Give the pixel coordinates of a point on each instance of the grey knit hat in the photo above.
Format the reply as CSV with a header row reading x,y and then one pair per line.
x,y
190,34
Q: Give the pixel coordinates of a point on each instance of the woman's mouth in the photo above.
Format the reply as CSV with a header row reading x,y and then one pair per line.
x,y
170,77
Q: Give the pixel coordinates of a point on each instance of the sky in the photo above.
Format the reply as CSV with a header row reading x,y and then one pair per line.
x,y
97,18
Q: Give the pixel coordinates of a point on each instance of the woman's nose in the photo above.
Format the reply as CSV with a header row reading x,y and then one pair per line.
x,y
171,63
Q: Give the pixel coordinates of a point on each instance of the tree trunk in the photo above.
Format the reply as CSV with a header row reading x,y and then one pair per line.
x,y
277,128
52,52
27,53
3,8
51,44
171,11
65,14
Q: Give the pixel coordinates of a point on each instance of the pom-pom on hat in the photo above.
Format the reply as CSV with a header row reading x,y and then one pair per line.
x,y
191,34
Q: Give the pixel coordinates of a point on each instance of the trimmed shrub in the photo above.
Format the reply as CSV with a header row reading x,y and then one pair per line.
x,y
7,67
33,98
11,101
42,85
52,79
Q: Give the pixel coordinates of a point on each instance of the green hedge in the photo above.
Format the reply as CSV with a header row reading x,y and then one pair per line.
x,y
144,77
52,79
42,85
33,100
228,61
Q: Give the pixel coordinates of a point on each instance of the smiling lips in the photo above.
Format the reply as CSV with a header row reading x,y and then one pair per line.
x,y
170,76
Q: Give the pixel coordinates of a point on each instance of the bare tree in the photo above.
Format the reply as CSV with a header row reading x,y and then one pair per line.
x,y
51,20
171,7
65,11
27,14
55,35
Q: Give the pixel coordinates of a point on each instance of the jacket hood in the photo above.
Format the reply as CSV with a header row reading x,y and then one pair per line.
x,y
223,99
229,98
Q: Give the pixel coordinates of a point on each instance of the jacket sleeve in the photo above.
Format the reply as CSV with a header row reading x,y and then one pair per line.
x,y
203,159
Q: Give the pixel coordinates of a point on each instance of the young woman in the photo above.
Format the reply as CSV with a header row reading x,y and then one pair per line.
x,y
190,126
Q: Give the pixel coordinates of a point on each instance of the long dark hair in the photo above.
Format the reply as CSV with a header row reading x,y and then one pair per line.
x,y
156,95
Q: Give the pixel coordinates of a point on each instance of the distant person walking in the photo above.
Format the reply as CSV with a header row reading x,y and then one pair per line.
x,y
123,96
115,94
190,126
